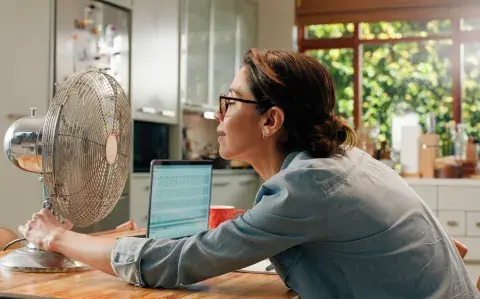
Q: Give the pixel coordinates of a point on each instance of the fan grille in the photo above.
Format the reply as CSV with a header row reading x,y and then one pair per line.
x,y
83,186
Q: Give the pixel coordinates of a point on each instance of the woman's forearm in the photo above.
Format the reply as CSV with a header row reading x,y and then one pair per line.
x,y
90,250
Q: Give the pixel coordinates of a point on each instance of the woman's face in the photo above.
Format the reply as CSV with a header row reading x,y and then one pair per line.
x,y
240,127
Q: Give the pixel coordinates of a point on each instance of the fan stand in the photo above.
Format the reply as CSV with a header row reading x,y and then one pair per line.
x,y
33,259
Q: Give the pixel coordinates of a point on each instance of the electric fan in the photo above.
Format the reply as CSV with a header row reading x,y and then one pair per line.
x,y
82,150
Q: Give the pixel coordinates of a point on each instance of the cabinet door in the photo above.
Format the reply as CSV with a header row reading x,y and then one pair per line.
x,y
122,3
155,60
247,29
139,196
235,190
224,24
26,80
195,51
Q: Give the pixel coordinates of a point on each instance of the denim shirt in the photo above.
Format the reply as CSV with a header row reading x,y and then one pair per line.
x,y
346,227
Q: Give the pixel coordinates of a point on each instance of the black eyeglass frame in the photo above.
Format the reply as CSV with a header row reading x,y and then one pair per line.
x,y
224,97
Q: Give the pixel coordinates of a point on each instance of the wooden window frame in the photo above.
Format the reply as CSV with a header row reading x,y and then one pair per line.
x,y
457,37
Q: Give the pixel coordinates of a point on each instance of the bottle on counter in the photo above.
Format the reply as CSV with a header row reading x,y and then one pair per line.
x,y
461,141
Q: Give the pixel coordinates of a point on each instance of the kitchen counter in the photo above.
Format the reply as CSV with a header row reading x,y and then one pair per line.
x,y
98,285
443,182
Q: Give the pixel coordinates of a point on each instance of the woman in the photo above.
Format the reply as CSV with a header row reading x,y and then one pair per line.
x,y
335,222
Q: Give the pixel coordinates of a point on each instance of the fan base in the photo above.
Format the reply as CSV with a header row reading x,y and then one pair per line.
x,y
32,259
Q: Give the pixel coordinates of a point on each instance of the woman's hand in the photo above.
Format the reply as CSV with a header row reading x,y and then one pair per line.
x,y
43,228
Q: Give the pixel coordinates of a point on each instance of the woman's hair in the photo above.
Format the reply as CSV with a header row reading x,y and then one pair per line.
x,y
303,89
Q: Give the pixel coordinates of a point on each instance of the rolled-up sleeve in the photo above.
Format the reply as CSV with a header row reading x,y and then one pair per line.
x,y
277,222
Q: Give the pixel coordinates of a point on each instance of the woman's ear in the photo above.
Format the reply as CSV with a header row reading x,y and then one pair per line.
x,y
272,121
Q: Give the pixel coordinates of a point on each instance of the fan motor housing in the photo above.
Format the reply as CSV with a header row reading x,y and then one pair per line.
x,y
22,143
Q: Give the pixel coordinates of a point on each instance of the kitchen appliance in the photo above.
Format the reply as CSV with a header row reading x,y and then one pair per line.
x,y
150,142
92,34
82,150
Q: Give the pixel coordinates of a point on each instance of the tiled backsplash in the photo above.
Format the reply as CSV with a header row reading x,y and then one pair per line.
x,y
200,132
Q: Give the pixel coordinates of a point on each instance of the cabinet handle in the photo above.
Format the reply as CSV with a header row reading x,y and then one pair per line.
x,y
477,224
247,182
452,223
221,184
151,110
147,188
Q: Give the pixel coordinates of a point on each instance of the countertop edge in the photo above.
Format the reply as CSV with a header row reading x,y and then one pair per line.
x,y
443,182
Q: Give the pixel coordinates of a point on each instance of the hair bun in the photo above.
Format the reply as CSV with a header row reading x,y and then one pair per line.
x,y
341,136
328,138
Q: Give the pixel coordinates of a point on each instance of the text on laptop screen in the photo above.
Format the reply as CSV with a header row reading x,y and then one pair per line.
x,y
180,200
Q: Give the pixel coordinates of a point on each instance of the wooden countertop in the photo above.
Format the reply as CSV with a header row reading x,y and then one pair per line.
x,y
98,285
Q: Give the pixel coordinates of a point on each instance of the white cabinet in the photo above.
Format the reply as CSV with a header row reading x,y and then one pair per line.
x,y
457,205
122,3
453,221
195,51
26,80
428,194
224,25
139,199
234,188
247,30
215,36
155,60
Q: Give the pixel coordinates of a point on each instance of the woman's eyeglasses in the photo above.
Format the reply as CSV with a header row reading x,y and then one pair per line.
x,y
224,102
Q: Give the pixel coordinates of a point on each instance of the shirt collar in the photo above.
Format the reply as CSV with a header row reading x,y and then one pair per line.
x,y
289,159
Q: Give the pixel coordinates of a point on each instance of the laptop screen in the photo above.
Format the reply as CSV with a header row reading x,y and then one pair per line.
x,y
179,198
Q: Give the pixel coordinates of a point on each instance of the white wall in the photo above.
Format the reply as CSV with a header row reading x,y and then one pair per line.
x,y
276,20
26,30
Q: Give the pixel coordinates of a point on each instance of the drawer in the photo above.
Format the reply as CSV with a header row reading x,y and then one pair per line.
x,y
428,194
453,221
459,198
473,223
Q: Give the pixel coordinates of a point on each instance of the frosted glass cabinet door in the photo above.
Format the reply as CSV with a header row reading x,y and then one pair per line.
x,y
196,39
223,50
247,29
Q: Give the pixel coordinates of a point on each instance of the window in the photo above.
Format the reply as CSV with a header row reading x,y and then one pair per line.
x,y
330,31
470,24
396,30
471,91
406,76
402,65
339,63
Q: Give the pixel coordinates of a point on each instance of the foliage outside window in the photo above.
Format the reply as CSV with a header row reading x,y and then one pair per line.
x,y
392,30
330,31
406,76
339,63
471,83
400,75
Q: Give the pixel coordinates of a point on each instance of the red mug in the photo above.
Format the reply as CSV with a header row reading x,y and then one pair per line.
x,y
219,214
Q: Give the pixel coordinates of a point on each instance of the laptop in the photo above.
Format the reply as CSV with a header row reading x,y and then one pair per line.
x,y
180,195
179,204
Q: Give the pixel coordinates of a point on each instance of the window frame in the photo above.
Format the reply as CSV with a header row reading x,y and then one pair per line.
x,y
457,36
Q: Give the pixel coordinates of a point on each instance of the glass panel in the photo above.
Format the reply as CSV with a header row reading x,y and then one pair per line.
x,y
196,31
329,31
392,30
471,24
471,86
247,29
223,56
402,76
339,63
